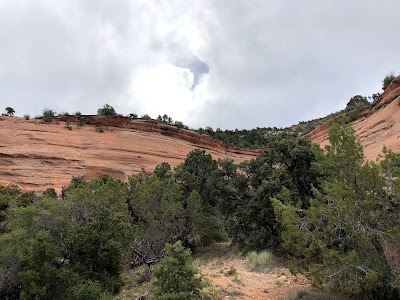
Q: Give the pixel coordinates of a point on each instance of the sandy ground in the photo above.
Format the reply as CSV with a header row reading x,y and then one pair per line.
x,y
228,277
275,283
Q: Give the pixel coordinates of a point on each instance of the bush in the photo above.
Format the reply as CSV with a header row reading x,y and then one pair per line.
x,y
341,246
87,290
27,117
133,116
146,117
388,79
48,115
51,193
106,110
259,261
175,276
9,111
81,121
357,101
100,129
68,125
78,114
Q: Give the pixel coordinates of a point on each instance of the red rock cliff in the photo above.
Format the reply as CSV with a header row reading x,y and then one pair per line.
x,y
376,126
37,155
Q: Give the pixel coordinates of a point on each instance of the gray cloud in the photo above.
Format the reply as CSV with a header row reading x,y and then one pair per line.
x,y
236,64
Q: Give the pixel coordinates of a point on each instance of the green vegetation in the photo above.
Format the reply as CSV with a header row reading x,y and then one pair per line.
x,y
100,129
68,125
165,119
356,102
48,115
133,116
81,121
333,214
352,218
146,117
388,79
175,277
106,110
27,117
64,250
9,111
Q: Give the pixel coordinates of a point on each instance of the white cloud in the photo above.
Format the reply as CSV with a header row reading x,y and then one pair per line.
x,y
270,63
160,89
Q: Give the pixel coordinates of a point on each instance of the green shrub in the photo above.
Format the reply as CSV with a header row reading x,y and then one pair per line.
x,y
78,114
175,276
27,117
356,102
146,117
259,261
388,79
9,111
100,129
81,121
51,193
133,116
106,110
48,115
87,290
337,241
68,125
231,272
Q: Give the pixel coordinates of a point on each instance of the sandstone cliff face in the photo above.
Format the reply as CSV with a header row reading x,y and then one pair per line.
x,y
376,127
37,155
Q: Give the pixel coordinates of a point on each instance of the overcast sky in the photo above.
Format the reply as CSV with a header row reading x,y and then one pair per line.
x,y
228,64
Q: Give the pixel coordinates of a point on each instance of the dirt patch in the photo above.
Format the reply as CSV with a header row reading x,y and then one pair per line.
x,y
228,277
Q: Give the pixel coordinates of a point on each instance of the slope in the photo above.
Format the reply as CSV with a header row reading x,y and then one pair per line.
x,y
376,126
36,155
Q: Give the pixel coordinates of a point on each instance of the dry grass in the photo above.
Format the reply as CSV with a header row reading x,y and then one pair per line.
x,y
259,261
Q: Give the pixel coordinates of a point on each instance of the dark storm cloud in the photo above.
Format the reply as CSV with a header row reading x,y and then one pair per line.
x,y
196,66
253,63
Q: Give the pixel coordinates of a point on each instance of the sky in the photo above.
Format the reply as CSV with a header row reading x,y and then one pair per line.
x,y
225,64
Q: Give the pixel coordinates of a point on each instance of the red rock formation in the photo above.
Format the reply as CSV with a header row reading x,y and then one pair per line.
x,y
37,155
376,127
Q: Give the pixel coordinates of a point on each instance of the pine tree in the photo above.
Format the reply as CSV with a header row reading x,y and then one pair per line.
x,y
175,276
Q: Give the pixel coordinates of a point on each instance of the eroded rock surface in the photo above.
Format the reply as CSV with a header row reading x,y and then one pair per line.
x,y
376,127
37,155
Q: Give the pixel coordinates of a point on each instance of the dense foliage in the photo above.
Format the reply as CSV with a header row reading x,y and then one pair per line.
x,y
357,101
48,115
333,214
9,111
175,276
106,110
64,249
342,241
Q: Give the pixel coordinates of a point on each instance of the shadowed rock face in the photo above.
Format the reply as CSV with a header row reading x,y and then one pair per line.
x,y
37,155
376,127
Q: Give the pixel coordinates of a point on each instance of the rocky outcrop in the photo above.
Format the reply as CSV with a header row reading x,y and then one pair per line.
x,y
375,127
36,155
203,140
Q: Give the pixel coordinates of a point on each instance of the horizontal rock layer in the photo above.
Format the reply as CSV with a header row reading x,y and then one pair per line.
x,y
36,155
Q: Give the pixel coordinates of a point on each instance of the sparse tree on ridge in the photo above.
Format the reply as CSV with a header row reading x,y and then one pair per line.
x,y
9,111
106,110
